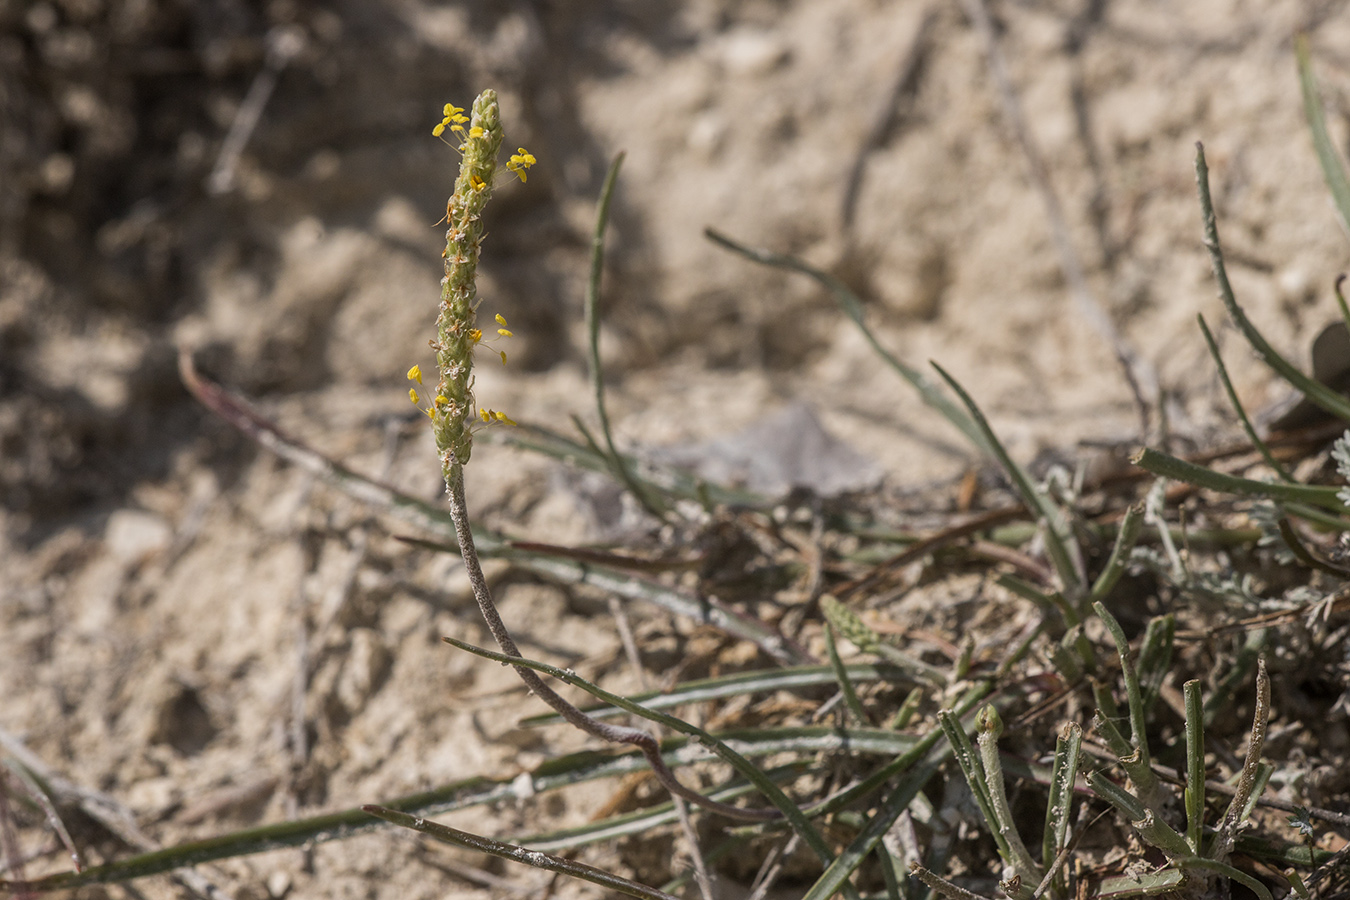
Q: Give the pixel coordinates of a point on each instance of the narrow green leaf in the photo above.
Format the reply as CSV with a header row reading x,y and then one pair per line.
x,y
650,500
852,307
1148,787
1024,867
1166,466
1194,794
1147,884
851,699
918,765
1252,436
1333,170
1063,775
1126,537
1155,657
791,812
760,681
1197,862
1057,537
1318,393
453,836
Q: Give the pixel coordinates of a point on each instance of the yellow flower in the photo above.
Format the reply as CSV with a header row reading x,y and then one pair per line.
x,y
491,415
453,115
521,160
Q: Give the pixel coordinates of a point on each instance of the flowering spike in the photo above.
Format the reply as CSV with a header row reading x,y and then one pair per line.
x,y
454,409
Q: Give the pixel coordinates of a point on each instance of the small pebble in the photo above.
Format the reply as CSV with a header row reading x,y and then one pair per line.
x,y
278,884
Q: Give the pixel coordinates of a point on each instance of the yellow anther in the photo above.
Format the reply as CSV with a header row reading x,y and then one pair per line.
x,y
501,320
412,395
504,332
475,334
503,353
415,374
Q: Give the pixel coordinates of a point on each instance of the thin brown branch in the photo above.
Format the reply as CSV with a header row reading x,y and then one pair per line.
x,y
617,734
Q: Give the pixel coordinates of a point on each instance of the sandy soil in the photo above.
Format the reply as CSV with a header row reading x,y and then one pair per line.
x,y
166,586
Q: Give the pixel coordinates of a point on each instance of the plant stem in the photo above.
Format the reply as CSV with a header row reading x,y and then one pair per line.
x,y
618,734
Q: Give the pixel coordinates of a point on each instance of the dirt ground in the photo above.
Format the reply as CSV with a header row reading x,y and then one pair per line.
x,y
215,640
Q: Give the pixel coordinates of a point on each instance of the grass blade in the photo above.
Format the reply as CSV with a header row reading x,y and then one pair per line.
x,y
1194,794
761,681
1155,657
453,836
670,481
1241,877
1315,391
791,812
1057,538
1149,825
1333,170
991,727
1130,527
624,584
1145,781
852,307
1068,758
1252,436
1167,466
919,764
618,465
851,700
